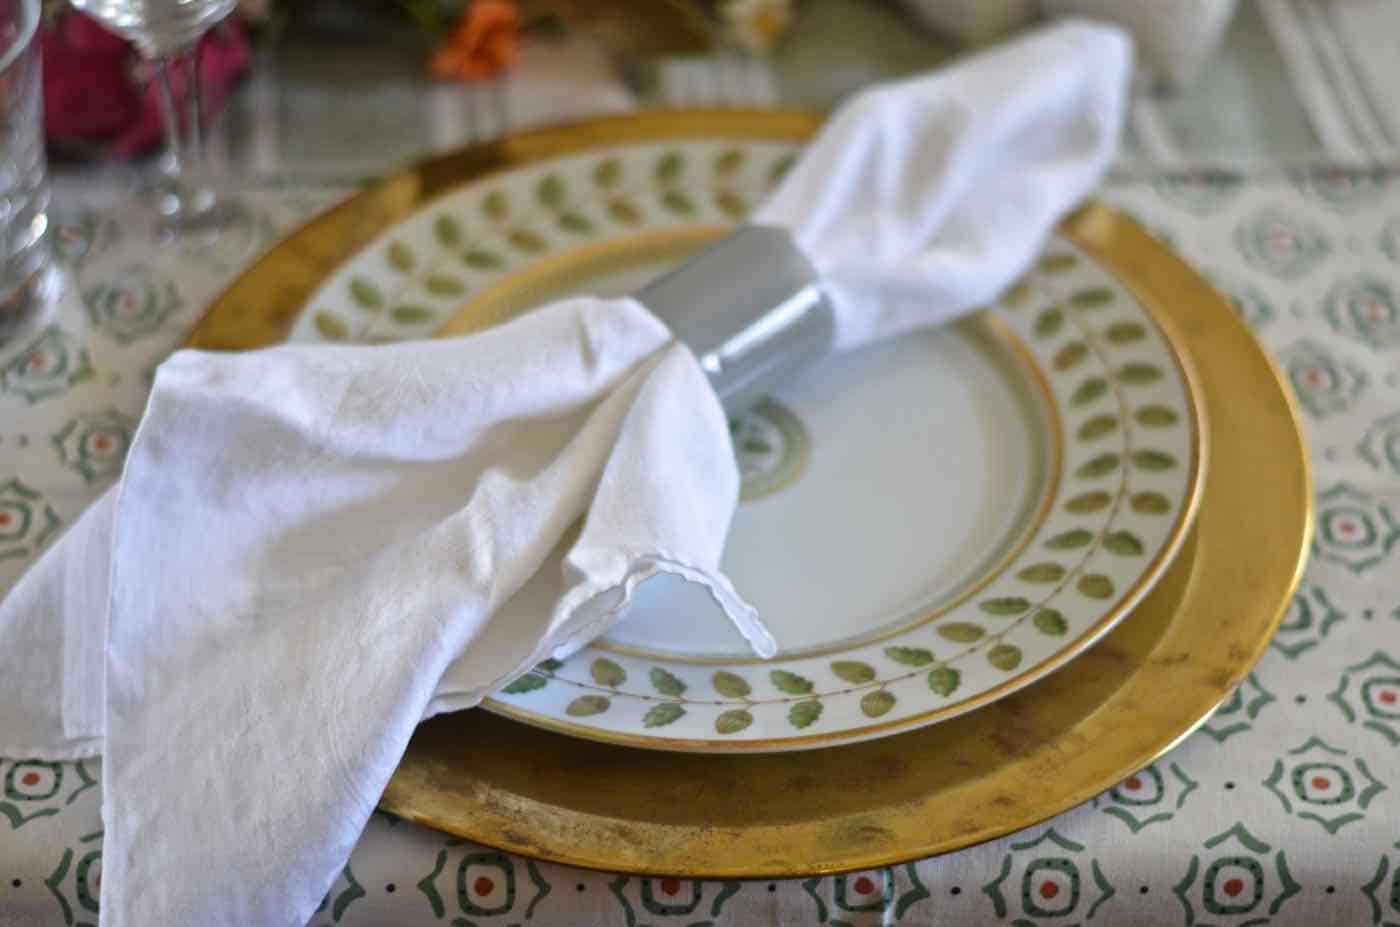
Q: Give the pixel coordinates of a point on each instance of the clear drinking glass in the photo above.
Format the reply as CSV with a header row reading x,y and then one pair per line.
x,y
28,281
166,33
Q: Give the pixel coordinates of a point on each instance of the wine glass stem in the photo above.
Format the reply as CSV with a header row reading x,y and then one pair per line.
x,y
189,197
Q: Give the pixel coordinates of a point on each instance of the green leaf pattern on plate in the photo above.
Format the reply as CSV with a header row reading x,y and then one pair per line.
x,y
877,703
804,714
1005,657
853,671
961,632
606,672
1009,605
1050,621
586,705
733,721
662,714
731,685
909,656
944,680
666,683
791,683
499,232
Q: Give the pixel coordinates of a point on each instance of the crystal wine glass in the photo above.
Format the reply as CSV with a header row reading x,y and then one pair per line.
x,y
166,32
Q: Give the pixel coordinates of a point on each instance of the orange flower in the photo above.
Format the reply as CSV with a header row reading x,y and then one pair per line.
x,y
483,44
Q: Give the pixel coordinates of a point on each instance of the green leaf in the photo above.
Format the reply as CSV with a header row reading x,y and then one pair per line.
x,y
331,328
1070,540
441,285
728,161
448,231
623,211
410,315
527,241
1042,573
876,703
1070,355
1056,263
1095,586
482,260
1153,460
669,168
909,656
365,294
853,671
1123,543
400,257
607,173
1091,298
1139,374
1097,427
791,683
1005,657
1049,322
1124,333
551,191
731,685
575,222
733,721
586,705
1004,607
944,680
1095,501
549,666
961,632
665,683
527,683
1049,621
732,205
1150,503
780,168
495,205
1102,465
1088,391
662,714
677,202
1155,417
607,673
803,714
1016,296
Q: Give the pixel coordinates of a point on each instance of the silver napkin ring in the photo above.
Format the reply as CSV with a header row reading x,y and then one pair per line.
x,y
751,308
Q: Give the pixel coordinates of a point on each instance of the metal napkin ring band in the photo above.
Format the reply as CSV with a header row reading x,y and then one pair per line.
x,y
751,309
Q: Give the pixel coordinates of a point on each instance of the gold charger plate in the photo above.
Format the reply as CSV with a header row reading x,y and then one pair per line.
x,y
1020,760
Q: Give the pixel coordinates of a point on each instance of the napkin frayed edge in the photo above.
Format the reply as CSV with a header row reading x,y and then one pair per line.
x,y
622,581
596,603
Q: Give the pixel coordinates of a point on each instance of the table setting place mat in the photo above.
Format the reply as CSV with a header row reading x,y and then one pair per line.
x,y
1161,511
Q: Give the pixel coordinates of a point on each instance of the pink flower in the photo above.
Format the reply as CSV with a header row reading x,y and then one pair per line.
x,y
98,92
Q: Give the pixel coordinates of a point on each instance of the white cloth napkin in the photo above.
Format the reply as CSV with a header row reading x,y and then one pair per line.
x,y
313,548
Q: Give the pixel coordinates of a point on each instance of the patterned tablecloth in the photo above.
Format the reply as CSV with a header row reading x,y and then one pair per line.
x,y
1283,809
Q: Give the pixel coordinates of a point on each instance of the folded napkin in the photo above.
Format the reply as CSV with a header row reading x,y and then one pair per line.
x,y
313,548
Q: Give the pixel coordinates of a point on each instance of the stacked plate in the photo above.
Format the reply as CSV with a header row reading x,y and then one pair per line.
x,y
929,526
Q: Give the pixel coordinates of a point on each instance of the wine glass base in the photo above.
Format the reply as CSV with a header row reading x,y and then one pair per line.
x,y
29,306
196,219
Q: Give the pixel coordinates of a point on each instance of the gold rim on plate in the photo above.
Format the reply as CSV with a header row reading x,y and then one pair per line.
x,y
1033,754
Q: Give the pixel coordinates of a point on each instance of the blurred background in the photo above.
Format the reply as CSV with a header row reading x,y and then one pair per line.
x,y
342,90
